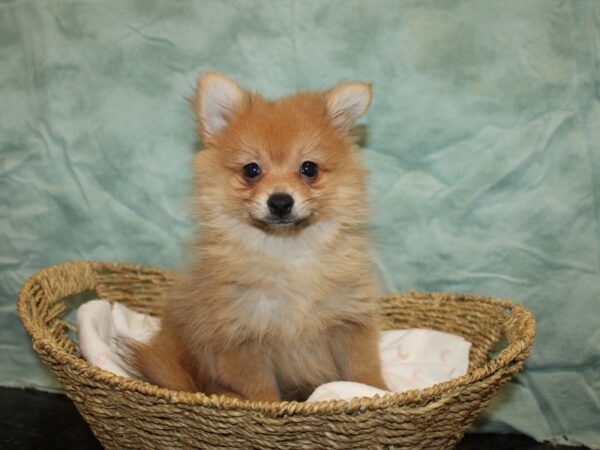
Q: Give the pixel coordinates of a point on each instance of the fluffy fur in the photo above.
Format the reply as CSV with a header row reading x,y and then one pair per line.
x,y
268,311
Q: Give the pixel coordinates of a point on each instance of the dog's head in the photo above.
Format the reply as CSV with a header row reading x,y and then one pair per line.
x,y
280,165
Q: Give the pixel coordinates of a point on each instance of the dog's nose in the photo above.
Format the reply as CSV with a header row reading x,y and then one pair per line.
x,y
280,204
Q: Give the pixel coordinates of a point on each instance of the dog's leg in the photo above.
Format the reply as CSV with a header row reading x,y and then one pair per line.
x,y
356,352
246,371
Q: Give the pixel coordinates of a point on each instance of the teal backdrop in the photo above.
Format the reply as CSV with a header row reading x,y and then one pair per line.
x,y
483,147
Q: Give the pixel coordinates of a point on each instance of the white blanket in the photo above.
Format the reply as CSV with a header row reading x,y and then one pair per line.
x,y
411,359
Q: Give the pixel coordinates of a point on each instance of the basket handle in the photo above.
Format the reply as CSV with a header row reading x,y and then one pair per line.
x,y
40,299
519,329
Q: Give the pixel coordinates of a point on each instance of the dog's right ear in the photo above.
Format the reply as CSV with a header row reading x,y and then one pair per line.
x,y
218,99
348,101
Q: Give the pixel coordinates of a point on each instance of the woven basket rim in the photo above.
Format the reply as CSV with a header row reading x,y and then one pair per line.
x,y
431,396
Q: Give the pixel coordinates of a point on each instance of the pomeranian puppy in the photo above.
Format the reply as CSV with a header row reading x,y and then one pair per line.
x,y
280,298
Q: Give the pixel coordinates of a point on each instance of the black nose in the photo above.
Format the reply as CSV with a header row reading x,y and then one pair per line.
x,y
280,204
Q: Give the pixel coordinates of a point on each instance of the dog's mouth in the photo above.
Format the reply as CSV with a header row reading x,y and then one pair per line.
x,y
281,222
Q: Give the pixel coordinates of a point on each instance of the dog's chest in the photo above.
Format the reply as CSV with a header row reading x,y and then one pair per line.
x,y
288,286
274,304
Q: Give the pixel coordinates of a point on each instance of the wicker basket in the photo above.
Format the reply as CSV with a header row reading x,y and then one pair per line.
x,y
127,413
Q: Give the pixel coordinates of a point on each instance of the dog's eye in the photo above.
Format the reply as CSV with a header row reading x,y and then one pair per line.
x,y
309,169
251,170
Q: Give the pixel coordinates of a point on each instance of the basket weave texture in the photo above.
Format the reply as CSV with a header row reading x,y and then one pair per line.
x,y
128,413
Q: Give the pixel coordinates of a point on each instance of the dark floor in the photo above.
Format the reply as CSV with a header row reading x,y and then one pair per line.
x,y
37,420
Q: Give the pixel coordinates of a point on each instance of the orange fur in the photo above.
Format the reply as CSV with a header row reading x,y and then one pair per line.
x,y
270,312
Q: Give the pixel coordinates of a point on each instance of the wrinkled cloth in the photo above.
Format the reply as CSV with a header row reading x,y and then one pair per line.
x,y
410,359
483,146
101,328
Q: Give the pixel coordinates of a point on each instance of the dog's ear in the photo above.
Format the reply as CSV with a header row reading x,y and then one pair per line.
x,y
346,102
218,99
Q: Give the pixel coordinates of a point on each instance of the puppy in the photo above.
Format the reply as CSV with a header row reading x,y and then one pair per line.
x,y
280,298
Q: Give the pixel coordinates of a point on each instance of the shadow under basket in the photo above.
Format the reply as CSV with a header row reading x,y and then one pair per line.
x,y
128,413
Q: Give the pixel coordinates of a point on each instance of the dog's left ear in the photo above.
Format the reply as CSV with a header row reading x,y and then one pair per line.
x,y
347,102
218,99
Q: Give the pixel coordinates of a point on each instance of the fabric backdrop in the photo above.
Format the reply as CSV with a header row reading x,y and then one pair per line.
x,y
483,147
